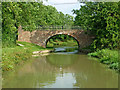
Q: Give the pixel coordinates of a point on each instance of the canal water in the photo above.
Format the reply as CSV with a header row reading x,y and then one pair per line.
x,y
62,70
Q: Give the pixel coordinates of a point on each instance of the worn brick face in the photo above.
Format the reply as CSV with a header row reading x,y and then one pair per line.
x,y
41,37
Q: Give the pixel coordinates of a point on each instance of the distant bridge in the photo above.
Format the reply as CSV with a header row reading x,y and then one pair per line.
x,y
42,35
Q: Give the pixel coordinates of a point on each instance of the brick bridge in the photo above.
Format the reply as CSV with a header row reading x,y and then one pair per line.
x,y
41,37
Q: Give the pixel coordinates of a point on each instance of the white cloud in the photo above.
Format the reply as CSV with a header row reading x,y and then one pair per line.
x,y
64,5
62,1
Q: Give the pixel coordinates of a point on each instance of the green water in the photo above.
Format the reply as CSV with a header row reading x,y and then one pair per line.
x,y
62,70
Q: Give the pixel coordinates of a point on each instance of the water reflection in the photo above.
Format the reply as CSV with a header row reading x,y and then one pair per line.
x,y
62,71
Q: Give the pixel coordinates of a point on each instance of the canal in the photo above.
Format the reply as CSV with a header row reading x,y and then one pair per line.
x,y
62,70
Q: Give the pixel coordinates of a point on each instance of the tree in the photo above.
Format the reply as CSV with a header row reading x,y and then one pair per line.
x,y
10,17
101,18
30,15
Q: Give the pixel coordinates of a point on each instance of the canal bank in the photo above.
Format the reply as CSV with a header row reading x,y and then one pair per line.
x,y
24,51
18,55
62,70
108,57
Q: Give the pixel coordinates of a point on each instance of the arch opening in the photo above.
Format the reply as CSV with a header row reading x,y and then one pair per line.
x,y
59,40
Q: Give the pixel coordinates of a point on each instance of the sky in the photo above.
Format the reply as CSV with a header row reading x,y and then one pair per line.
x,y
64,6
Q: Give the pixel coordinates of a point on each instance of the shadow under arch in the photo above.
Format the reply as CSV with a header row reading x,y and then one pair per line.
x,y
62,34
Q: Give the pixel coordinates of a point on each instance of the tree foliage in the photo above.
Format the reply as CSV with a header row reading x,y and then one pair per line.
x,y
30,15
10,17
102,19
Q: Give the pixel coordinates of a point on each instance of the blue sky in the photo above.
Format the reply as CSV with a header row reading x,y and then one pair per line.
x,y
65,8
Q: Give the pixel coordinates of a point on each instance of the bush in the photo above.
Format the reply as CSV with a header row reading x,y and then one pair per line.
x,y
107,56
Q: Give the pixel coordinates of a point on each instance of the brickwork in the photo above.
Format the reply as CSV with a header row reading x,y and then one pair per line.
x,y
41,37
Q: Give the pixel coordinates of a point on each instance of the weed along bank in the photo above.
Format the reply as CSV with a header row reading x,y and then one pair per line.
x,y
43,47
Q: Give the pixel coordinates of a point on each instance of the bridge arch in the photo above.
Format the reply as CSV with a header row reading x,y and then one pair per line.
x,y
46,41
41,37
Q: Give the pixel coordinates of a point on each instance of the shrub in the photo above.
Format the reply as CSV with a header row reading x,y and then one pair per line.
x,y
107,56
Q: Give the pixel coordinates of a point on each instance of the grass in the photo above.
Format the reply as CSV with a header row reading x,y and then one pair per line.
x,y
107,56
62,43
11,57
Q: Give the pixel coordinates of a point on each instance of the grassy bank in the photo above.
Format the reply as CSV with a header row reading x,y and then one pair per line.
x,y
62,43
107,56
11,57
